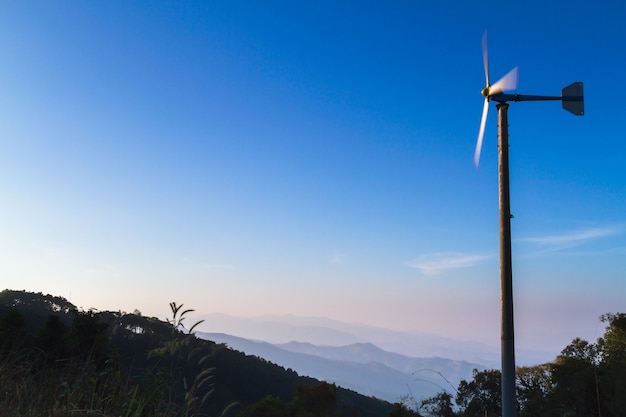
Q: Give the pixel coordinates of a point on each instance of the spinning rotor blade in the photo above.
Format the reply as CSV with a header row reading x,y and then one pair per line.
x,y
481,133
486,58
506,83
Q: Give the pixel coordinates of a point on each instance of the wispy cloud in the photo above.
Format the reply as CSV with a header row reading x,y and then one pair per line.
x,y
572,238
436,263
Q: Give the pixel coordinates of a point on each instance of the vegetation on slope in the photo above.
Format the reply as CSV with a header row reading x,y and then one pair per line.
x,y
586,379
58,361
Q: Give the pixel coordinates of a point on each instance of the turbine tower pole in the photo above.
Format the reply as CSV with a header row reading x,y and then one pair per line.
x,y
509,403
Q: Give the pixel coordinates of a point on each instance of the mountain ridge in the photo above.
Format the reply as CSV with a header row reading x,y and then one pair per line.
x,y
362,367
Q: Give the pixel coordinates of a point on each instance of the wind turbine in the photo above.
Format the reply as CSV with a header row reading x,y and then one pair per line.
x,y
572,101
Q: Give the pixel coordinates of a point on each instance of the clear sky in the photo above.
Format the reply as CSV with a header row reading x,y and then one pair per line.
x,y
314,158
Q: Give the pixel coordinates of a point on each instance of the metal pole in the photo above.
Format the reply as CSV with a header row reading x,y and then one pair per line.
x,y
509,404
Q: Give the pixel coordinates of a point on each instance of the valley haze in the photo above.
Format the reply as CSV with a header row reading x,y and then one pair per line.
x,y
387,364
285,329
361,367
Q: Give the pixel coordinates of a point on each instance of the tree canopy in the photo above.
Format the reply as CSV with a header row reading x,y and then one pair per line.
x,y
585,379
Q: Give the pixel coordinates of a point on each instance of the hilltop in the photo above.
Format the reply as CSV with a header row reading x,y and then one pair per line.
x,y
116,363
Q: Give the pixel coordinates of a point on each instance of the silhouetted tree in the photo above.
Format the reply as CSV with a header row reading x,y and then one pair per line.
x,y
268,407
52,337
87,336
439,405
12,330
574,379
481,396
612,368
533,386
401,410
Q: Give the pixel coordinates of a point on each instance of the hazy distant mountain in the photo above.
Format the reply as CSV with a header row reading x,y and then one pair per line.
x,y
281,329
326,332
361,367
452,370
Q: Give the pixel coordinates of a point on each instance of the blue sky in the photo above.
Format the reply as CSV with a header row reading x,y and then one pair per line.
x,y
314,159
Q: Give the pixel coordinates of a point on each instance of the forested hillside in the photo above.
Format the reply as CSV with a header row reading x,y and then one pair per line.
x,y
56,360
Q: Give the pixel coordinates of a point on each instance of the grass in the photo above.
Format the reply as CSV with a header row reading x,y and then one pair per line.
x,y
78,371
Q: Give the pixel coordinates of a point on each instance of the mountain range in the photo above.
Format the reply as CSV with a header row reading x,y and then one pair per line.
x,y
361,367
387,364
326,332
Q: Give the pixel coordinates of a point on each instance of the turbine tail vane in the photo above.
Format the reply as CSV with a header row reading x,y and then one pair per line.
x,y
573,99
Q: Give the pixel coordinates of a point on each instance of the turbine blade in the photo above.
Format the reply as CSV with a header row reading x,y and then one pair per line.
x,y
506,83
486,58
481,133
